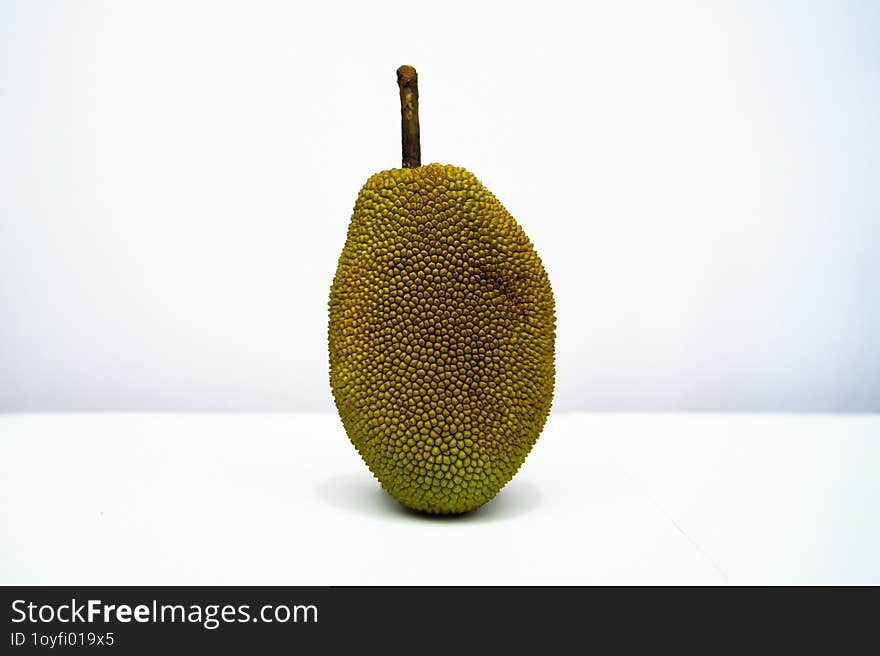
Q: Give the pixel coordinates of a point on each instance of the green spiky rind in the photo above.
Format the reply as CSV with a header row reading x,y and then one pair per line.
x,y
441,338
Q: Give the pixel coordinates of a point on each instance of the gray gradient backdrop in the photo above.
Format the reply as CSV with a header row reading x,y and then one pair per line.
x,y
702,181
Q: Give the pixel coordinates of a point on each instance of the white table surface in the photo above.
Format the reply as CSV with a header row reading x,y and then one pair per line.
x,y
285,499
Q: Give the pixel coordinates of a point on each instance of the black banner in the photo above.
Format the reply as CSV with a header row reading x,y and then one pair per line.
x,y
135,620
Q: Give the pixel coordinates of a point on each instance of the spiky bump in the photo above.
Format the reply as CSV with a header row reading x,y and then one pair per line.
x,y
441,338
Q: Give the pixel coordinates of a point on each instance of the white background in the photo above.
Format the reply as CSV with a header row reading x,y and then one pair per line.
x,y
700,179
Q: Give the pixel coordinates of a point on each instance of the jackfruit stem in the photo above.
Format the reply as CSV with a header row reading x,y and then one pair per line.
x,y
408,81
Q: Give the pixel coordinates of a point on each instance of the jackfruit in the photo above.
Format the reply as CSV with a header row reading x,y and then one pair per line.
x,y
441,338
